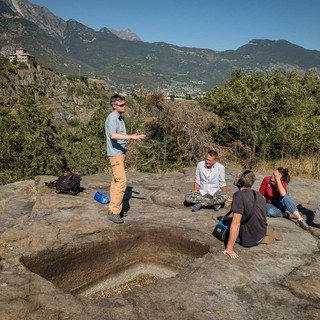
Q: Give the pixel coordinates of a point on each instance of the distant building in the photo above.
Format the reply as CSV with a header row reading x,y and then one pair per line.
x,y
21,55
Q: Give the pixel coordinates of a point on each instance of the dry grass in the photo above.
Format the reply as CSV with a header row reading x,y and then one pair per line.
x,y
141,281
308,167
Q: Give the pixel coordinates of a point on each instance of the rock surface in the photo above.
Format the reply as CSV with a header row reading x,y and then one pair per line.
x,y
50,233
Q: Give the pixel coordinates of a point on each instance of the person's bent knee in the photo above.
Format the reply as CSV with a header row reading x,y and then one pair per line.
x,y
274,213
193,197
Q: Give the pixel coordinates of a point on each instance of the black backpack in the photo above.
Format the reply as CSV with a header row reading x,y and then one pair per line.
x,y
68,183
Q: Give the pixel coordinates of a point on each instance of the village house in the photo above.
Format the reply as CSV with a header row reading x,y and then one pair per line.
x,y
21,55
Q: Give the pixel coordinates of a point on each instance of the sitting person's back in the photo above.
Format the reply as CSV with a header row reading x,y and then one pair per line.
x,y
252,207
249,223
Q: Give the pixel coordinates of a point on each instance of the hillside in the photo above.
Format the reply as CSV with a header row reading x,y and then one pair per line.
x,y
49,120
71,99
71,47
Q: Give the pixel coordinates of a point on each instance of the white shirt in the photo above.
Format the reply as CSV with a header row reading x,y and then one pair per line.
x,y
210,180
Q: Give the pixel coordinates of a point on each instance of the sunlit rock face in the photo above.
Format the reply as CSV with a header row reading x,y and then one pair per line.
x,y
61,258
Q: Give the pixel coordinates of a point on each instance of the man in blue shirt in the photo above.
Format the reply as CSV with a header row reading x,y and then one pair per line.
x,y
210,187
117,137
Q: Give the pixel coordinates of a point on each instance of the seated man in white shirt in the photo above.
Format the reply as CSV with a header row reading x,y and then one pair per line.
x,y
210,187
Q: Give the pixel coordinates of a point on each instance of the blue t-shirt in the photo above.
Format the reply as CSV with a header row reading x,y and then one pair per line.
x,y
114,123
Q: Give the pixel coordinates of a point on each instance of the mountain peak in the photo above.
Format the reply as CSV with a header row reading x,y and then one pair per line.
x,y
265,43
126,34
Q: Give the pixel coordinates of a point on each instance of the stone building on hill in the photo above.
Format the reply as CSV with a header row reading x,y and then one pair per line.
x,y
21,55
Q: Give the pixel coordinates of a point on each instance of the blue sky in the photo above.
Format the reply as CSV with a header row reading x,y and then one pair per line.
x,y
217,25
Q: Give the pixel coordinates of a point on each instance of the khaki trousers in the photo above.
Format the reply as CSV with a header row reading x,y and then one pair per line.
x,y
118,183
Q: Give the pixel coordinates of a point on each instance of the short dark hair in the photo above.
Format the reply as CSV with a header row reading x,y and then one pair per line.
x,y
115,98
212,153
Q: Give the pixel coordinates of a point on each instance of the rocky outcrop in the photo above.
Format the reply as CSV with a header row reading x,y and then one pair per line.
x,y
67,98
60,256
41,16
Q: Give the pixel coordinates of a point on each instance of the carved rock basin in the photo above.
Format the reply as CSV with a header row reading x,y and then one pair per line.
x,y
93,269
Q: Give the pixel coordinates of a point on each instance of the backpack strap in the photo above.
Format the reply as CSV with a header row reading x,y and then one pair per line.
x,y
252,209
51,184
223,218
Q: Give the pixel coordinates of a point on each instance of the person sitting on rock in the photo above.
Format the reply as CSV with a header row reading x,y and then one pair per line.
x,y
249,223
279,202
210,187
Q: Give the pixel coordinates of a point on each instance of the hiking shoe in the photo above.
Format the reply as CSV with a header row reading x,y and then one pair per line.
x,y
115,218
303,224
216,207
268,240
196,207
276,235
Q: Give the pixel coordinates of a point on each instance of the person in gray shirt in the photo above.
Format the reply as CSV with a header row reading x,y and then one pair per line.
x,y
249,223
117,137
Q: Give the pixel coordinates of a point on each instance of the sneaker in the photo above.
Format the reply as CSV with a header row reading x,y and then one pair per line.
x,y
216,207
303,224
196,207
115,218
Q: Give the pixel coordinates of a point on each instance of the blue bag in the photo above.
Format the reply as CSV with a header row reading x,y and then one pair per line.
x,y
221,229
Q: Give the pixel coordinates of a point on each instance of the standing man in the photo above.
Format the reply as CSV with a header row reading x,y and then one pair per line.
x,y
209,187
249,224
117,137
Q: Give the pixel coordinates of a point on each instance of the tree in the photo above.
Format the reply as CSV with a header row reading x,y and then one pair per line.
x,y
268,116
30,144
178,135
243,113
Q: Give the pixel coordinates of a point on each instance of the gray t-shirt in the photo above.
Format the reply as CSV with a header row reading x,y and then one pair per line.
x,y
114,123
254,229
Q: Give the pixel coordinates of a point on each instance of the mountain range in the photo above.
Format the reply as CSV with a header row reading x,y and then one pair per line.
x,y
73,48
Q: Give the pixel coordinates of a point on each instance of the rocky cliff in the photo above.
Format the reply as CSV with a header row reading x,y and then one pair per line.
x,y
67,97
61,258
41,16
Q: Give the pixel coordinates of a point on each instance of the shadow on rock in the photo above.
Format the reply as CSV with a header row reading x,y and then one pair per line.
x,y
127,196
307,212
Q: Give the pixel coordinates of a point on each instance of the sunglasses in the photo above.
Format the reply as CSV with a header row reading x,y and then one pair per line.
x,y
121,105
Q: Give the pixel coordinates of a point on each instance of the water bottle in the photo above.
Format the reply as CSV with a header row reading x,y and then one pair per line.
x,y
102,197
